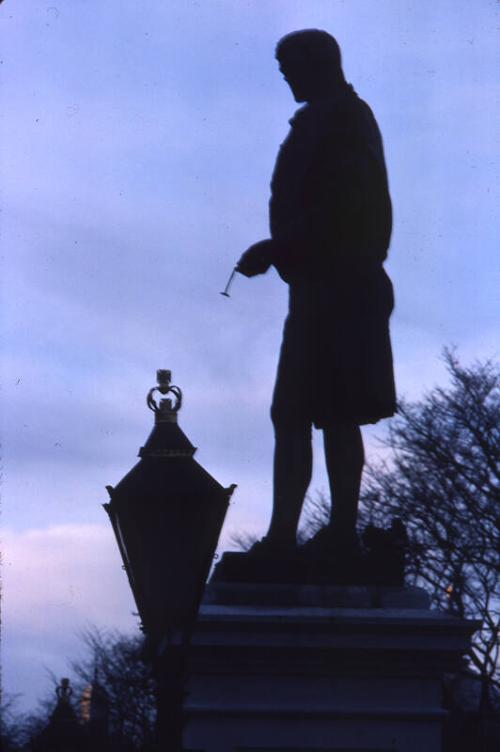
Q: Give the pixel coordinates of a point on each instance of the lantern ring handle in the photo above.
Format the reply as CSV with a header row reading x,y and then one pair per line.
x,y
172,389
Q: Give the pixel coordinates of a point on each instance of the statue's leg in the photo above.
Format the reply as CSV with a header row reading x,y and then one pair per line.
x,y
345,458
292,475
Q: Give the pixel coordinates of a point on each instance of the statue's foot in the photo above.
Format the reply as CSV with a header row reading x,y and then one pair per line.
x,y
269,547
330,542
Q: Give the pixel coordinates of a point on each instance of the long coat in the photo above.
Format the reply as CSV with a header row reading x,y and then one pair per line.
x,y
331,219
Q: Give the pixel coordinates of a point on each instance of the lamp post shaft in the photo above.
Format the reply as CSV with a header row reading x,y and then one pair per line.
x,y
170,693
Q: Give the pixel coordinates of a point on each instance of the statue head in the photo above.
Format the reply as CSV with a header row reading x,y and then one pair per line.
x,y
311,63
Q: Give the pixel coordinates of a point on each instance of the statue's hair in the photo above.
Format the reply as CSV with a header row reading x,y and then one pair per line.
x,y
316,46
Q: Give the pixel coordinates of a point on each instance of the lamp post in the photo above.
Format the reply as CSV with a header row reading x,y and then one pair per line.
x,y
167,514
63,731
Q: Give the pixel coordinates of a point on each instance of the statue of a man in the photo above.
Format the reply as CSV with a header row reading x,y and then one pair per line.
x,y
330,221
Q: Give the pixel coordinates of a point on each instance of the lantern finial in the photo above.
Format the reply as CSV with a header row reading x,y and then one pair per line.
x,y
165,411
64,691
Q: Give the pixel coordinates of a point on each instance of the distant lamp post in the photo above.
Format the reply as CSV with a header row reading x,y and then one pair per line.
x,y
63,732
167,514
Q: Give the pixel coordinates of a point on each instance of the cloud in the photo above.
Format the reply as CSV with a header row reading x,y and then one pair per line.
x,y
57,581
68,570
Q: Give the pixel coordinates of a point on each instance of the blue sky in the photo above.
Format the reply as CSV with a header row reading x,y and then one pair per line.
x,y
138,140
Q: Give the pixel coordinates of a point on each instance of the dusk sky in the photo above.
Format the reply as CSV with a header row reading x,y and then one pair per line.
x,y
138,141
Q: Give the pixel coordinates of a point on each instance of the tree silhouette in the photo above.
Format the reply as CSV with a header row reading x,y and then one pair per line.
x,y
115,660
441,478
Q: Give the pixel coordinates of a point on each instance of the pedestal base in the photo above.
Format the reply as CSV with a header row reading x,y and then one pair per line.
x,y
382,566
319,668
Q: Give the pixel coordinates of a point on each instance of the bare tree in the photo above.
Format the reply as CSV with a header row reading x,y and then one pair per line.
x,y
17,729
115,661
112,666
442,480
11,726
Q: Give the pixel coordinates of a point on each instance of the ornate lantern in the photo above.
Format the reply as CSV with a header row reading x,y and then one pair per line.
x,y
167,514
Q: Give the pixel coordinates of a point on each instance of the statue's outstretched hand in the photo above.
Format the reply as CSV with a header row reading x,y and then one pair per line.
x,y
257,259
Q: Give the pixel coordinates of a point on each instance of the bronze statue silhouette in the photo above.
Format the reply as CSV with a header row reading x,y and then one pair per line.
x,y
330,223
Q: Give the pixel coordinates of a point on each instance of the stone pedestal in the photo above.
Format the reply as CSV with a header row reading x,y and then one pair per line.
x,y
309,668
